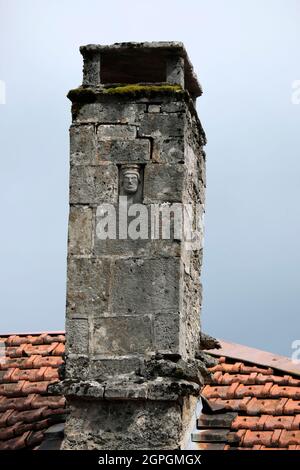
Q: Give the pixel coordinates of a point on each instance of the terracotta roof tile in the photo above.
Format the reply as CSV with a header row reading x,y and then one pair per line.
x,y
248,422
291,407
259,404
52,402
25,416
47,361
42,349
283,391
30,364
7,432
279,422
35,387
15,443
252,438
21,403
288,438
34,438
260,391
59,349
12,389
4,418
14,352
32,375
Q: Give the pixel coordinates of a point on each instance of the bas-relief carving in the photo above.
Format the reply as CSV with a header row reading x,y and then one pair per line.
x,y
131,184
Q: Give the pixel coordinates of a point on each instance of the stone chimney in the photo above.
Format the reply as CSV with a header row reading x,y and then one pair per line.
x,y
132,375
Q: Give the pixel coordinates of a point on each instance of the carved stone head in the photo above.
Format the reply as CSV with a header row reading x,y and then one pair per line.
x,y
130,178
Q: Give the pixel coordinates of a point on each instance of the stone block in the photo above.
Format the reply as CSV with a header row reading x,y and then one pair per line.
x,y
137,242
83,389
167,332
87,286
158,125
173,107
80,230
77,367
125,391
168,151
164,183
110,112
154,108
82,145
122,335
93,184
91,70
123,425
77,334
141,286
137,248
116,131
112,367
124,151
175,71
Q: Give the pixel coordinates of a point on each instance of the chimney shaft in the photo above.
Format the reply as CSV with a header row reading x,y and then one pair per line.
x,y
137,182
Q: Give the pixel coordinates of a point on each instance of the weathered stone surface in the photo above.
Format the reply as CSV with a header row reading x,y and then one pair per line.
x,y
77,367
78,336
120,151
175,70
192,291
80,230
82,144
171,389
164,183
167,332
208,342
168,151
123,391
195,188
163,243
206,359
137,248
154,108
146,286
83,389
103,368
162,125
93,184
118,113
122,335
124,425
179,369
178,106
116,131
88,286
91,69
134,388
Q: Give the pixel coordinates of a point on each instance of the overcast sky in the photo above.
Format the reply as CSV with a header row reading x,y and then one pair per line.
x,y
246,55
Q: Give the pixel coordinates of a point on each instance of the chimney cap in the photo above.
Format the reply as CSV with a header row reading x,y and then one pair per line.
x,y
129,59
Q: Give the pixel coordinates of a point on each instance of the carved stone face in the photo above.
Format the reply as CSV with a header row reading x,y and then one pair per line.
x,y
130,182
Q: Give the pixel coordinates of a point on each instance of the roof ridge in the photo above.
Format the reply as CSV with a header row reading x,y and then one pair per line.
x,y
35,333
256,356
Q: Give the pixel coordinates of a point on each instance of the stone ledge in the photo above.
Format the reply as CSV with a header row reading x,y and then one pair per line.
x,y
88,94
158,389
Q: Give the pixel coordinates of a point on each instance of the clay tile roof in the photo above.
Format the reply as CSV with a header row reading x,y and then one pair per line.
x,y
251,402
28,364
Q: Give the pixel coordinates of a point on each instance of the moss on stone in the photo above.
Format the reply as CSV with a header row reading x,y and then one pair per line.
x,y
142,89
89,95
82,95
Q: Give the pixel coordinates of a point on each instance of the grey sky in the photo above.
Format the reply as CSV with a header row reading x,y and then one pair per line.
x,y
246,55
